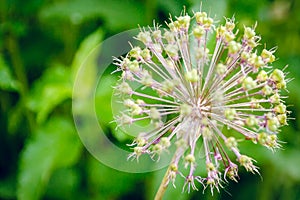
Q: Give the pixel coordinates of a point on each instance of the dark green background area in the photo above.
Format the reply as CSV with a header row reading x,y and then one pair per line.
x,y
42,44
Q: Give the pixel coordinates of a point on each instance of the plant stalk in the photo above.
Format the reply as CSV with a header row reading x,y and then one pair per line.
x,y
163,186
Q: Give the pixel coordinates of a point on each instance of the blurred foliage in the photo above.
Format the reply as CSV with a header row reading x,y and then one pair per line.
x,y
42,45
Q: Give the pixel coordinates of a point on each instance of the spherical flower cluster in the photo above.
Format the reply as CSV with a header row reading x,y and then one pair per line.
x,y
190,92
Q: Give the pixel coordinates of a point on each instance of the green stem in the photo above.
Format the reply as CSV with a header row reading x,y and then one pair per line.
x,y
163,186
17,64
164,183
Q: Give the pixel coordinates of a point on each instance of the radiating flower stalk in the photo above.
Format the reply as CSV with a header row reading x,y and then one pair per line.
x,y
196,91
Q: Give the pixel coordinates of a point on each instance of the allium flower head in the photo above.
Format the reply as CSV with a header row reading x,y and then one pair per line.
x,y
191,92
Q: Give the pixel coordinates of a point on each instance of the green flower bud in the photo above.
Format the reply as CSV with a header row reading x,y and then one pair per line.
x,y
135,52
169,36
268,55
173,26
251,121
267,90
277,76
255,103
280,108
245,55
252,43
210,166
271,141
231,142
207,22
146,79
172,50
125,63
154,114
140,141
158,124
248,33
192,76
144,37
257,61
165,142
262,138
156,35
146,54
230,114
228,37
185,109
140,102
184,21
282,118
248,83
170,64
275,98
207,133
221,68
127,75
281,85
234,47
201,53
273,124
268,140
262,76
221,30
157,148
229,25
168,86
136,110
210,181
138,150
190,158
125,119
198,32
181,143
200,17
128,103
247,163
232,172
173,167
124,88
134,66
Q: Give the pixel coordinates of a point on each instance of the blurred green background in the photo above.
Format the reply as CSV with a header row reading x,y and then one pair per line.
x,y
43,42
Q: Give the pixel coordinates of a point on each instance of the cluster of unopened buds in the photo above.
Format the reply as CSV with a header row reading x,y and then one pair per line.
x,y
202,101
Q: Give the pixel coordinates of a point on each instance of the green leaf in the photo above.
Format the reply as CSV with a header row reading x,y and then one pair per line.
x,y
87,49
7,82
15,117
121,14
104,97
107,183
171,6
116,14
54,145
54,87
56,84
63,183
216,9
8,188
